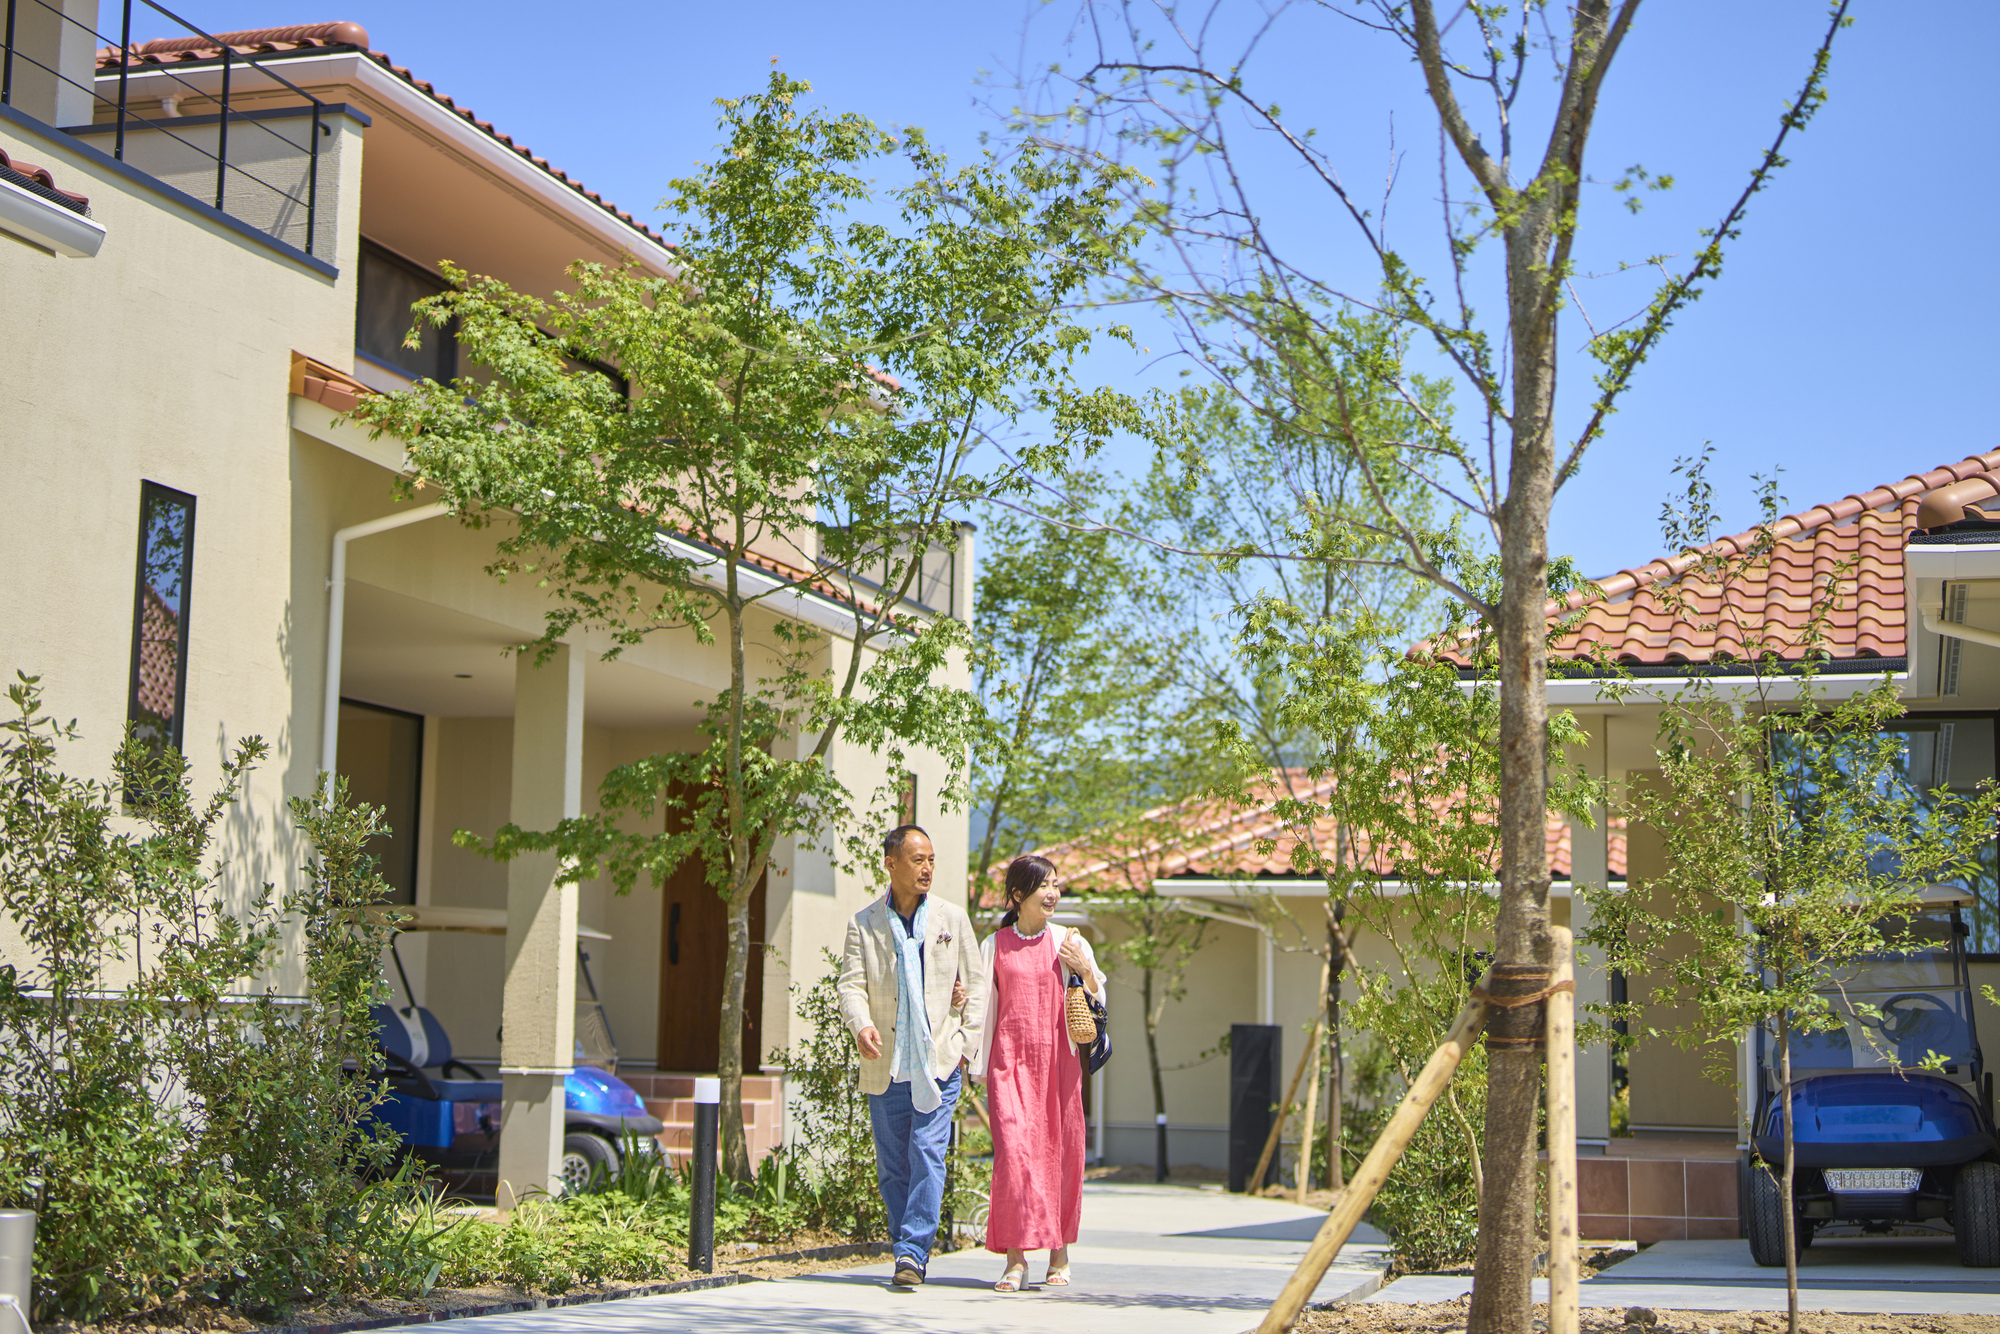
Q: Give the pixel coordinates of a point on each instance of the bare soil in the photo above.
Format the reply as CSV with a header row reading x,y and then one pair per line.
x,y
1449,1318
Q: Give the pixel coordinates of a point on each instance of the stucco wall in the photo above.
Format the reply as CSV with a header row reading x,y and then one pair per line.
x,y
165,358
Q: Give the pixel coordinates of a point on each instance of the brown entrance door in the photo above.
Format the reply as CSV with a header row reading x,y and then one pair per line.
x,y
694,959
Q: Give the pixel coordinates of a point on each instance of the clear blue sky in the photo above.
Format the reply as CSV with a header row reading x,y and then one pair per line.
x,y
1846,343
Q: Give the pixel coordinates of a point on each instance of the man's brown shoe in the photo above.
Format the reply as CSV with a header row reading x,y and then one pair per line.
x,y
907,1275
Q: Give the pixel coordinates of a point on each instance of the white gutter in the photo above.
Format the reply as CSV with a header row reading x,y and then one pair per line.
x,y
336,615
804,605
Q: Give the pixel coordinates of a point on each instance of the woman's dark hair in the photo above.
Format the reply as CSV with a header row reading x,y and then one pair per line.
x,y
1025,875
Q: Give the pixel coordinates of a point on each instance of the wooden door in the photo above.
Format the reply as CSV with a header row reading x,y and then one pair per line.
x,y
694,958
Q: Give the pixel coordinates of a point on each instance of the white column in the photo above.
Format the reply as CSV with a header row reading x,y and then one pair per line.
x,y
538,1005
1590,864
1267,979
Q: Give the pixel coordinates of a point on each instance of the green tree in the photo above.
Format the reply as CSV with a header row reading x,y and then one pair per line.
x,y
1189,100
1797,835
810,381
1077,678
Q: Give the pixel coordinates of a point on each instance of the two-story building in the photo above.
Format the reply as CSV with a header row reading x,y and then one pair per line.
x,y
209,244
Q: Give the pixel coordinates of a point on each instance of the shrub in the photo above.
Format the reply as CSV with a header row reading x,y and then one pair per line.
x,y
184,1131
829,1165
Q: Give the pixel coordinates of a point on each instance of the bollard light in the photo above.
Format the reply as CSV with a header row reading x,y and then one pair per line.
x,y
17,1269
701,1214
1159,1146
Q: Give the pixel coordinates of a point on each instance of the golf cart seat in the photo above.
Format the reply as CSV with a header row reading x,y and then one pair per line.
x,y
416,1044
1827,1049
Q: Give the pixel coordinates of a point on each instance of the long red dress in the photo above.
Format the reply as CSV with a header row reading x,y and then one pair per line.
x,y
1034,1093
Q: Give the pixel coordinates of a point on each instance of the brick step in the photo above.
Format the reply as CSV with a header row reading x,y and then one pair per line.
x,y
756,1088
680,1111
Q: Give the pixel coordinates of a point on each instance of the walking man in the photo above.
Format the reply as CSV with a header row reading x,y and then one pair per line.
x,y
913,992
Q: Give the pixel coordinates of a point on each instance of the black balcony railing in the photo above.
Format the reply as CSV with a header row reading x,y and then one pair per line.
x,y
271,206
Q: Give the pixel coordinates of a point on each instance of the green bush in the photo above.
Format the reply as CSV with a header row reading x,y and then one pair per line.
x,y
184,1131
829,1165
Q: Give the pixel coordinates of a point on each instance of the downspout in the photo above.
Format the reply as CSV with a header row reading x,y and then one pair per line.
x,y
1987,638
336,614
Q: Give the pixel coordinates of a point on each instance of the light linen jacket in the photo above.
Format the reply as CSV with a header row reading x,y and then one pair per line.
x,y
868,986
987,949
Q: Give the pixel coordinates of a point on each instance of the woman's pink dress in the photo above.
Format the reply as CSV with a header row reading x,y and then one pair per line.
x,y
1034,1095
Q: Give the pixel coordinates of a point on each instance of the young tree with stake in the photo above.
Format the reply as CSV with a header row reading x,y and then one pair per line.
x,y
812,380
1178,92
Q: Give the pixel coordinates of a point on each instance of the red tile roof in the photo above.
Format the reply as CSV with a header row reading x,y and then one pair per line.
x,y
317,36
1632,618
1211,839
30,172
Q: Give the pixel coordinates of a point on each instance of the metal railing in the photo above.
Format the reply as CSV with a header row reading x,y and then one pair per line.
x,y
128,57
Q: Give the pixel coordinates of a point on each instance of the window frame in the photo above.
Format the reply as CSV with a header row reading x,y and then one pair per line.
x,y
373,250
150,493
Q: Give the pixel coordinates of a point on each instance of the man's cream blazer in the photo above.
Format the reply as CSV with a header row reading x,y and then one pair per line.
x,y
868,985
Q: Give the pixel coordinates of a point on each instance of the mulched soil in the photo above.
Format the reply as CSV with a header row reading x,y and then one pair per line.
x,y
1449,1318
761,1261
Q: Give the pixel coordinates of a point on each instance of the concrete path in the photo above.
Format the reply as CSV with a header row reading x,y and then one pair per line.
x,y
1150,1260
1867,1275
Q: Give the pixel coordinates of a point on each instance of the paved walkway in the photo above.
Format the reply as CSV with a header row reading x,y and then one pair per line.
x,y
1867,1275
1151,1260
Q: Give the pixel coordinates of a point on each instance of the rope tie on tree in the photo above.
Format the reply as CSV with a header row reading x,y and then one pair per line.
x,y
1515,1023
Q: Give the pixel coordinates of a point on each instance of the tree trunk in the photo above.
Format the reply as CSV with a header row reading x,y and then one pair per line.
x,y
1159,1083
735,1145
1785,1182
1501,1297
1336,1170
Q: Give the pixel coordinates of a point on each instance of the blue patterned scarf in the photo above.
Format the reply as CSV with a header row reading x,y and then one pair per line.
x,y
912,1057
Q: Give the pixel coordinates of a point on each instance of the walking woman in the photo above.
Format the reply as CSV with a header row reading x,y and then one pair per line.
x,y
1034,1077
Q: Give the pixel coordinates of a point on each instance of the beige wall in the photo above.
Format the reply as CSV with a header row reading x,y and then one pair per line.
x,y
165,358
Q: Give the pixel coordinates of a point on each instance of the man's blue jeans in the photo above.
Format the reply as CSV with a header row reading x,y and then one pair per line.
x,y
909,1164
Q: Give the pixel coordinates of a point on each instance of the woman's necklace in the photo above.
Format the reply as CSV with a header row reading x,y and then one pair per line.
x,y
1024,936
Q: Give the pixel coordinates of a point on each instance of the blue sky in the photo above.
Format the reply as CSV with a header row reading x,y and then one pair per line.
x,y
1845,344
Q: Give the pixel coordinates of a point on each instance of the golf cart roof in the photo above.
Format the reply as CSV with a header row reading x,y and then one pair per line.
x,y
477,921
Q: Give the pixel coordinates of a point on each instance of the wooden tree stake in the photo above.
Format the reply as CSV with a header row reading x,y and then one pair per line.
x,y
1374,1169
1312,1087
1561,1078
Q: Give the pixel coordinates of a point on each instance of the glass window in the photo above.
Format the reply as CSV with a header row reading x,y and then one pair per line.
x,y
390,285
160,615
382,759
1954,754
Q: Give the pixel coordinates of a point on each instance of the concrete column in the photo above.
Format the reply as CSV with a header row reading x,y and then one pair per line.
x,y
538,1006
55,61
1590,864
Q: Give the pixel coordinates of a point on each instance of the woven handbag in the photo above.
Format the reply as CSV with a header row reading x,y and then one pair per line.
x,y
1082,1019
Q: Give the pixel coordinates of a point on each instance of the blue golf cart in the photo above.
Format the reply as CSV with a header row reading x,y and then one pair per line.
x,y
448,1114
1879,1143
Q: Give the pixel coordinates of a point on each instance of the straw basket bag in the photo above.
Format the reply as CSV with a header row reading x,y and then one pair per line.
x,y
1082,1019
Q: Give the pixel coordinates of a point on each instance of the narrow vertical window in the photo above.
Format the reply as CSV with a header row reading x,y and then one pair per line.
x,y
160,616
906,799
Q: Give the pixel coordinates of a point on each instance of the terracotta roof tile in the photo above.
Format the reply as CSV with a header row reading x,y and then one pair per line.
x,y
1206,838
318,36
41,181
1631,619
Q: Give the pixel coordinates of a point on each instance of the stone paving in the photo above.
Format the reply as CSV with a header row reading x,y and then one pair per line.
x,y
1864,1275
1151,1260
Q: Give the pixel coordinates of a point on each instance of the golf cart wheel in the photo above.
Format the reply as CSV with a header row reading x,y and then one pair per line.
x,y
582,1156
1764,1221
1976,1217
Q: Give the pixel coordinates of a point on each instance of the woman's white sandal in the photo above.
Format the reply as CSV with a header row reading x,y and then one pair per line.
x,y
1057,1277
1012,1280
